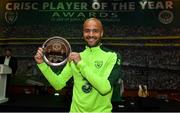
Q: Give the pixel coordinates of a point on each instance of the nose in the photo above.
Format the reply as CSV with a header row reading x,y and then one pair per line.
x,y
91,33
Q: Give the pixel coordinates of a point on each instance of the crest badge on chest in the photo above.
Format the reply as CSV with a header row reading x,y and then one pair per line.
x,y
98,64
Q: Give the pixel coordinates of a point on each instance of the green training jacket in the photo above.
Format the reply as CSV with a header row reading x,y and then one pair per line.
x,y
94,78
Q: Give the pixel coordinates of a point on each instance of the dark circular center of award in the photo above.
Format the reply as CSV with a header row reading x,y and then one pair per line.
x,y
56,51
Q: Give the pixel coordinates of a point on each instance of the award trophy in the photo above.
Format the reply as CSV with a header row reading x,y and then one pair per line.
x,y
56,51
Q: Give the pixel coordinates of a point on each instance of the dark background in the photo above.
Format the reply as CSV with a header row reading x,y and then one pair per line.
x,y
150,49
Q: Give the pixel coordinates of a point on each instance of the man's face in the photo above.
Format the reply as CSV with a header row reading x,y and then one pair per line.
x,y
7,53
92,32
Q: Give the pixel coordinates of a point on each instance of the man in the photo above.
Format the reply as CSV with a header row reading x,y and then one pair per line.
x,y
11,61
95,71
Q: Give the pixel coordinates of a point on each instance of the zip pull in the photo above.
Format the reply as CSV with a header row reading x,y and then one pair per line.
x,y
90,49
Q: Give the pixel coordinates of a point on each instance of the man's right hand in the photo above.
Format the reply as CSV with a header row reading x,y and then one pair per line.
x,y
39,56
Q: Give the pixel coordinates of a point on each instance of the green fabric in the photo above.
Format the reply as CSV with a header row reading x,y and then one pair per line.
x,y
92,91
114,78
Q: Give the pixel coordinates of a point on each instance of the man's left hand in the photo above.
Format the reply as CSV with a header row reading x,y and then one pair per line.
x,y
75,57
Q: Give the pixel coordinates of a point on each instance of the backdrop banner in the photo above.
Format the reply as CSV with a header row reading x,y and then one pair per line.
x,y
123,12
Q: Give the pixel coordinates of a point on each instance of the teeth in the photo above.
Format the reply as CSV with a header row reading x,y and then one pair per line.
x,y
91,39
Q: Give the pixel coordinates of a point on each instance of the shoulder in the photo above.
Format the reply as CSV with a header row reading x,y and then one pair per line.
x,y
105,49
14,58
2,57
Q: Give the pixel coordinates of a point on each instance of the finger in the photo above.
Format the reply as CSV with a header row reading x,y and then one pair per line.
x,y
40,52
74,53
37,56
70,58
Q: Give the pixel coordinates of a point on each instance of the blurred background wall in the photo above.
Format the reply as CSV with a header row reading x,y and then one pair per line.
x,y
146,33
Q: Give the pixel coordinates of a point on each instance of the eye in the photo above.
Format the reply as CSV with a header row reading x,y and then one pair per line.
x,y
87,30
95,30
91,30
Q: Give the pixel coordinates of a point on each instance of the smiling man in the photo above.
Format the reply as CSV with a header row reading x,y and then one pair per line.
x,y
95,72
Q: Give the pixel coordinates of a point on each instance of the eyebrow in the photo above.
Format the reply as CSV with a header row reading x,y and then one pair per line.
x,y
87,29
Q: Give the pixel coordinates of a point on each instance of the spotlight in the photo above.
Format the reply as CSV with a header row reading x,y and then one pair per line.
x,y
56,94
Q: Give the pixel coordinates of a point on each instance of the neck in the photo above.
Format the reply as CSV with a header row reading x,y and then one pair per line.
x,y
98,44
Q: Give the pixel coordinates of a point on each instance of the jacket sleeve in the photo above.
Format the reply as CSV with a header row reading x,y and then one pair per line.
x,y
102,85
116,72
57,81
116,80
13,65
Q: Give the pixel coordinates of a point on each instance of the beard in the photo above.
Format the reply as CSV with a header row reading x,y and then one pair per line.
x,y
97,42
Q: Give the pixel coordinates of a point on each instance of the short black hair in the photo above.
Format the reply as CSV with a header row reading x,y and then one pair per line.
x,y
8,49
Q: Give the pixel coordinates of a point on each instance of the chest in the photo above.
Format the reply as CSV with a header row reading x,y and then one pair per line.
x,y
95,62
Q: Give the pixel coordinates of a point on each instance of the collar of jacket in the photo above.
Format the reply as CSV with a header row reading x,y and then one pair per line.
x,y
96,48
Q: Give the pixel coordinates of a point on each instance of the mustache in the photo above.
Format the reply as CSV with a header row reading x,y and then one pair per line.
x,y
89,37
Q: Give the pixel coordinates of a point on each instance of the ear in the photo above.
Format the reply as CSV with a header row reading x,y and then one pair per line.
x,y
101,34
